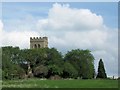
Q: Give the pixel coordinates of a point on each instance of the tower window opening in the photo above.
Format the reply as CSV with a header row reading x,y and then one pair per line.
x,y
38,45
35,46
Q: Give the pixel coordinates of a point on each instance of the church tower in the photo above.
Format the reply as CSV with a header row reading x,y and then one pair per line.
x,y
38,42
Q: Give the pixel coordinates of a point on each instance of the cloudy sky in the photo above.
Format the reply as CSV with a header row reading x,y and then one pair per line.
x,y
68,25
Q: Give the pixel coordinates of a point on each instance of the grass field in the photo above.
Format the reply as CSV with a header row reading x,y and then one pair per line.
x,y
37,83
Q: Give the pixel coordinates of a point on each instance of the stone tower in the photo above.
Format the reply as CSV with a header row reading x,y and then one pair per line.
x,y
38,42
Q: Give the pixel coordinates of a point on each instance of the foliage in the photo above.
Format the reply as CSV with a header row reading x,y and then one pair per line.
x,y
69,71
54,57
46,62
40,71
10,66
101,70
54,70
54,62
14,72
83,61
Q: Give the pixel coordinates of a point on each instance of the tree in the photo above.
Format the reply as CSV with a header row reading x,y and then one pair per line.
x,y
69,71
54,57
54,62
46,62
101,70
83,61
54,70
10,66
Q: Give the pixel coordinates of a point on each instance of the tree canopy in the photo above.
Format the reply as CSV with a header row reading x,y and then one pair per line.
x,y
46,62
83,61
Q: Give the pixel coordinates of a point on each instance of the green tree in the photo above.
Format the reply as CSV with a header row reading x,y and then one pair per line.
x,y
83,61
28,61
69,71
54,62
46,62
54,57
10,66
101,70
43,56
54,70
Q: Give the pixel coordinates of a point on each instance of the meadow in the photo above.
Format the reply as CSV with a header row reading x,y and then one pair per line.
x,y
37,83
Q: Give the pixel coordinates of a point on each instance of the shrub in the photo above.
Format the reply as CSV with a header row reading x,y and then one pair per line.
x,y
55,77
40,71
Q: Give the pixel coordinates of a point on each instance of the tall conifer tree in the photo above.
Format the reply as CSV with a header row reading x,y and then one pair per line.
x,y
101,70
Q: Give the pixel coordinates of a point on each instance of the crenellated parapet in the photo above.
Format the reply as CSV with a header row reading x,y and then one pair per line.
x,y
38,38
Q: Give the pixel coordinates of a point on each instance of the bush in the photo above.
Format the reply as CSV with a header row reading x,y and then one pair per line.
x,y
40,71
55,77
16,72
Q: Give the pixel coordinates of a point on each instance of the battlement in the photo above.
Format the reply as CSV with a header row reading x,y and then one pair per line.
x,y
38,38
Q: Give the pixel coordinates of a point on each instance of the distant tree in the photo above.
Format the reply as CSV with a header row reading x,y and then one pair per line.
x,y
54,57
54,70
40,71
118,78
54,62
83,61
69,70
101,70
10,66
46,62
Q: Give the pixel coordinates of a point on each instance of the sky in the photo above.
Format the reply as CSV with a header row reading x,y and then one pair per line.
x,y
68,25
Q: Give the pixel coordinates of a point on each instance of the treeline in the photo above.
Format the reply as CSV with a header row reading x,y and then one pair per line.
x,y
46,63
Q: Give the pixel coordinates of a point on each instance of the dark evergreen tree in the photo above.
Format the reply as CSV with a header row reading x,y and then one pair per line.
x,y
101,70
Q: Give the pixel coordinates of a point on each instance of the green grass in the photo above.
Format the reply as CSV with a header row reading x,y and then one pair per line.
x,y
37,83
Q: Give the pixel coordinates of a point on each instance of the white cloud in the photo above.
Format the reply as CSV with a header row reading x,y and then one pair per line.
x,y
61,17
1,25
18,32
1,28
17,38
